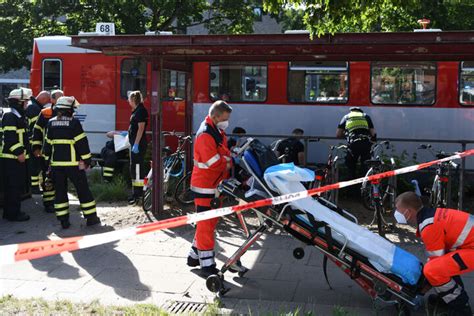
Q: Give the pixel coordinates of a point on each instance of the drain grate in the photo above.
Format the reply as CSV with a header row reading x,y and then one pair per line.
x,y
180,307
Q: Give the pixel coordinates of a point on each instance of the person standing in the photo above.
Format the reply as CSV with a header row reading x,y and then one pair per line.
x,y
138,145
359,130
66,150
14,154
212,163
39,132
448,236
32,112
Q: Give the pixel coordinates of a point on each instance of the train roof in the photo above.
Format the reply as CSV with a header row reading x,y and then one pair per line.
x,y
266,47
59,44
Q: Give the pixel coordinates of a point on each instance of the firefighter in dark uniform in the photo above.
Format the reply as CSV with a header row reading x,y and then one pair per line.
x,y
138,144
32,113
37,144
359,130
14,154
66,150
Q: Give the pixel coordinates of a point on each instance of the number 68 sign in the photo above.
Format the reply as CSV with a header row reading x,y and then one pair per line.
x,y
105,28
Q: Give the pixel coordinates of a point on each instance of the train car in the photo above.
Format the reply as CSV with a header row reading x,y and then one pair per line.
x,y
409,96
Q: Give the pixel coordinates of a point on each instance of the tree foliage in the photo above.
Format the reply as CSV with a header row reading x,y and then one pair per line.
x,y
331,16
21,21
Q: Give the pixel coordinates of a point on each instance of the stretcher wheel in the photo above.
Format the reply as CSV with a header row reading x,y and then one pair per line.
x,y
215,203
298,253
214,283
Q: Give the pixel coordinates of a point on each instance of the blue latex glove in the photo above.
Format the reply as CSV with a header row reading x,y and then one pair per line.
x,y
135,149
123,134
236,160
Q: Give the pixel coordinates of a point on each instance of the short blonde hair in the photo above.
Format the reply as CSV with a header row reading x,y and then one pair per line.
x,y
136,97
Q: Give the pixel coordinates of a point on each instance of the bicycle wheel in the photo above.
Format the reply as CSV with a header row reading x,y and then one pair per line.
x,y
147,198
183,193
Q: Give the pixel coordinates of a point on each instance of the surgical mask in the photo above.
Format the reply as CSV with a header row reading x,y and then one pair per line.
x,y
223,125
400,218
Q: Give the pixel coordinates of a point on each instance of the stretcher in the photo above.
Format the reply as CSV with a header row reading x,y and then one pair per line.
x,y
388,274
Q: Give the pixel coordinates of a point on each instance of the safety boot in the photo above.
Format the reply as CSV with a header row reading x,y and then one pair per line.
x,y
65,224
192,262
207,271
92,220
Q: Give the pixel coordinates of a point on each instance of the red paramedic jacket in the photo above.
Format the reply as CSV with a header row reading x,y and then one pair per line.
x,y
445,230
211,158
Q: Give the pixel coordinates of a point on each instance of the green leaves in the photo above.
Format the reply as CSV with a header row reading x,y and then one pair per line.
x,y
22,21
330,16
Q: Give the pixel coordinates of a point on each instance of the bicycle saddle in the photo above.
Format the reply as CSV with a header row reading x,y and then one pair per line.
x,y
373,163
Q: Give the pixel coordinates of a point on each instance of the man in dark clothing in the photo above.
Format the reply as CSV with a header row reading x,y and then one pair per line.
x,y
14,154
32,112
292,149
359,130
110,157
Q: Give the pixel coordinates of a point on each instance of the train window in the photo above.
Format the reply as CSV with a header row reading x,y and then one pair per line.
x,y
52,74
238,83
466,88
403,83
318,82
173,85
132,76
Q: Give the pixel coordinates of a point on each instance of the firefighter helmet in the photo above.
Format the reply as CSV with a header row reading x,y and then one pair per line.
x,y
67,103
20,94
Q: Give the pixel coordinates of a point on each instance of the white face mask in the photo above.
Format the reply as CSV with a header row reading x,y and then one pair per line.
x,y
223,125
400,218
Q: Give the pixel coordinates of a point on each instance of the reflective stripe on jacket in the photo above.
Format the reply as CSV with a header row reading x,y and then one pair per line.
x,y
445,230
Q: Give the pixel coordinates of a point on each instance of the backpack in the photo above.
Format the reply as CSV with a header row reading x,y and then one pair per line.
x,y
264,154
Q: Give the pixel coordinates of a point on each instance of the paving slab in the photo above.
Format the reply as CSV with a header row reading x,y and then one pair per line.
x,y
151,268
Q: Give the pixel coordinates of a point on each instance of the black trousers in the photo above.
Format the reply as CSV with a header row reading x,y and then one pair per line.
x,y
79,180
34,169
110,160
357,150
138,171
14,185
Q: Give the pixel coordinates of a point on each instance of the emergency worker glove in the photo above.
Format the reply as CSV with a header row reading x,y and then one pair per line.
x,y
135,149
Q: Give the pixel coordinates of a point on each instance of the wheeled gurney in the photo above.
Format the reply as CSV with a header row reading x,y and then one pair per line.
x,y
389,275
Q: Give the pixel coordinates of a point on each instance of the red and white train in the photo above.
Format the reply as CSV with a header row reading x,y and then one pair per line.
x,y
429,99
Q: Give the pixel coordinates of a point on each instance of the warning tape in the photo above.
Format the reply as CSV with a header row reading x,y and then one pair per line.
x,y
34,250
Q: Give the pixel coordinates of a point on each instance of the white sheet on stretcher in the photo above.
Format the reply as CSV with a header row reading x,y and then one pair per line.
x,y
382,254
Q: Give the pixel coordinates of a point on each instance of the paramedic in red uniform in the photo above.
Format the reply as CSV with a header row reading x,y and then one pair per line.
x,y
212,162
448,236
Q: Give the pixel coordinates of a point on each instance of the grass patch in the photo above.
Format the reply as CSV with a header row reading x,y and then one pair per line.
x,y
115,191
10,305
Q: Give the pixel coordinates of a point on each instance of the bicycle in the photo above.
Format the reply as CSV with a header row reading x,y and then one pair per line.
x,y
328,173
174,167
375,195
440,193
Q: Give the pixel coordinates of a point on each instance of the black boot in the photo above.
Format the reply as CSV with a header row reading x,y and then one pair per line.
x,y
192,262
65,224
19,217
92,220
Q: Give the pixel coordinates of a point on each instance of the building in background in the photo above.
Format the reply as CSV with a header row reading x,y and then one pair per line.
x,y
12,80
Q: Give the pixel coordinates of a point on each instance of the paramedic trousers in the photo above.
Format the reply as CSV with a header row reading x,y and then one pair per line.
x,y
34,169
204,239
79,180
357,149
14,185
441,270
138,171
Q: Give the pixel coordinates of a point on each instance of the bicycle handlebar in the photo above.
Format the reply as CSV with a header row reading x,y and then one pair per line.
x,y
439,154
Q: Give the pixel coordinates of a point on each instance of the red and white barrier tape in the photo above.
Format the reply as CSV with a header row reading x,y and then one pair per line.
x,y
34,250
